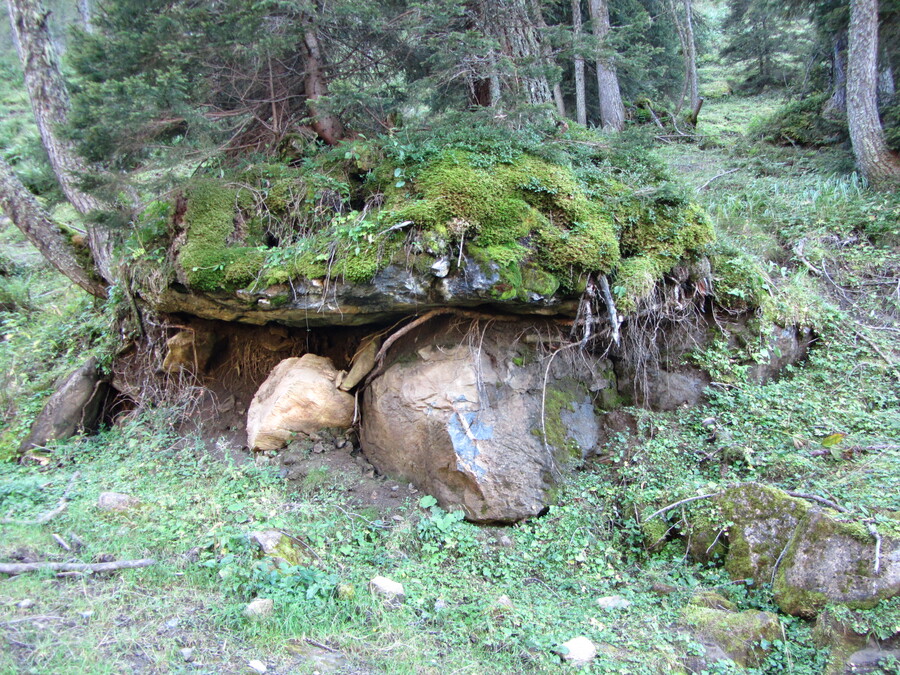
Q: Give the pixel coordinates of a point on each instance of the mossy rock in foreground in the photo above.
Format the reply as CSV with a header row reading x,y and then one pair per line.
x,y
536,229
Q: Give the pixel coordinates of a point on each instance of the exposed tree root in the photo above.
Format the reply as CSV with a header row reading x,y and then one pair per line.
x,y
21,568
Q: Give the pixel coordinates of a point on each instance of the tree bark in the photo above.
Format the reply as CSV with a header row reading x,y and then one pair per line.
x,y
509,22
836,105
612,111
326,125
26,214
49,98
50,103
580,100
876,162
84,15
690,57
547,52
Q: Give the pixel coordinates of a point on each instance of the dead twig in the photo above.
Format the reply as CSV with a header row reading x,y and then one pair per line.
x,y
679,503
719,175
49,515
21,568
62,542
816,498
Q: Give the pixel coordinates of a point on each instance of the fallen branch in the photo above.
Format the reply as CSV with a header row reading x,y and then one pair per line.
x,y
817,498
49,515
719,175
676,504
21,568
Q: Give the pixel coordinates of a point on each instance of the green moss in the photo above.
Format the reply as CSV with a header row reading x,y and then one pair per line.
x,y
564,395
738,634
209,263
545,226
635,280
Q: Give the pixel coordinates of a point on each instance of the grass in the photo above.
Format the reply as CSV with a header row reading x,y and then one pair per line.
x,y
197,507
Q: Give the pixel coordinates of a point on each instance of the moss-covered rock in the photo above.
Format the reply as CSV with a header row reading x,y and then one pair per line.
x,y
829,560
744,637
763,520
538,226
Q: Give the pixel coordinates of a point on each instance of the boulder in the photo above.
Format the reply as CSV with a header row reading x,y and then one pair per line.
x,y
458,413
278,546
299,396
764,519
74,406
116,501
188,350
579,650
832,561
391,592
738,636
259,608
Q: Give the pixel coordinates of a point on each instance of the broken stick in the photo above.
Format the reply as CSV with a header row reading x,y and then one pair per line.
x,y
21,568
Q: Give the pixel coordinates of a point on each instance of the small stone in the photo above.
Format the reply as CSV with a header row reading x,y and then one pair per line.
x,y
25,604
505,602
86,615
613,602
116,501
318,448
172,623
579,650
394,488
187,654
259,608
441,268
257,666
391,591
397,519
505,541
345,592
440,604
662,589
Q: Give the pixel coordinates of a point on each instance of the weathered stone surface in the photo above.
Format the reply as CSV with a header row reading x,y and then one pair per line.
x,y
395,291
390,591
116,501
259,608
278,546
830,561
764,520
731,635
579,650
670,383
74,406
362,364
299,396
188,350
461,419
872,660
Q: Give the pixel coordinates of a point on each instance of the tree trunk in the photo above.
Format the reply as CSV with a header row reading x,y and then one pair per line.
x,y
49,98
580,100
326,125
886,87
836,105
84,15
875,160
510,23
547,53
26,214
50,102
690,57
612,111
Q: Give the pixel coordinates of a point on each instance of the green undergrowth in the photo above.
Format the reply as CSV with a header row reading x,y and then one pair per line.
x,y
542,209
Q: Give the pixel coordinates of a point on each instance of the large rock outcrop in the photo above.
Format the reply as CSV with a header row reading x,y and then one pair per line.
x,y
74,406
299,396
458,412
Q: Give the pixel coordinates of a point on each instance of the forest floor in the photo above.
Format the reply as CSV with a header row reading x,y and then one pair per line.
x,y
478,599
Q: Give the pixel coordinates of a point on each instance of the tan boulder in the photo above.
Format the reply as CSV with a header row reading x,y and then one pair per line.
x,y
299,396
188,350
